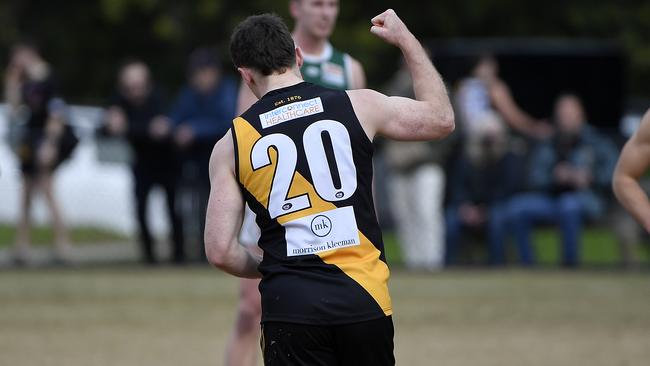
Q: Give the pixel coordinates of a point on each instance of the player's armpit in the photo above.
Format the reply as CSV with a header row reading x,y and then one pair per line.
x,y
401,118
224,216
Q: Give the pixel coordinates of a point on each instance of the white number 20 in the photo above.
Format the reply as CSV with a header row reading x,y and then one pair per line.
x,y
322,177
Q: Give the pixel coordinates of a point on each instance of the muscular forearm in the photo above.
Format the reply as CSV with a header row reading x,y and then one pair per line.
x,y
634,199
427,83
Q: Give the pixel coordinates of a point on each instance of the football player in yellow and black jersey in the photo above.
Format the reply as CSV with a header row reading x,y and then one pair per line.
x,y
323,64
300,157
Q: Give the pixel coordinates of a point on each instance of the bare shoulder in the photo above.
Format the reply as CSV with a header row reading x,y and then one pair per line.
x,y
365,96
367,102
369,106
223,155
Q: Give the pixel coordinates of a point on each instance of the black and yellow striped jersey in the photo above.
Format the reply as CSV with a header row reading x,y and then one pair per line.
x,y
304,164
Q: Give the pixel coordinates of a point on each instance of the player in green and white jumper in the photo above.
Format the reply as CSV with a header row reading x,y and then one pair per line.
x,y
331,68
323,64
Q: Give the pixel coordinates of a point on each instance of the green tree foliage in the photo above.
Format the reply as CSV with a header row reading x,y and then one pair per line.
x,y
86,40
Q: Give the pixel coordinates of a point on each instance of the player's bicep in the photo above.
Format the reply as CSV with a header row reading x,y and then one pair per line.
x,y
397,118
408,119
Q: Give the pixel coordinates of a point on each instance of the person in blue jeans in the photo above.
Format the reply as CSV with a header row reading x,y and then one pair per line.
x,y
569,177
481,181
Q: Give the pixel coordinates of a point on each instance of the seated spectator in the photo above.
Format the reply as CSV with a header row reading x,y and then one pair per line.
x,y
569,175
136,112
482,180
201,114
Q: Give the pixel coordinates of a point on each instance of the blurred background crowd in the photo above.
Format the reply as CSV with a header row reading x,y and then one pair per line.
x,y
124,108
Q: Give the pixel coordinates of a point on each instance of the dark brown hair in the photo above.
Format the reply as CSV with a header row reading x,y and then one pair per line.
x,y
264,43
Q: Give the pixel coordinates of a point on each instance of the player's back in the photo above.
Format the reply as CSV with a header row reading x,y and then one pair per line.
x,y
305,167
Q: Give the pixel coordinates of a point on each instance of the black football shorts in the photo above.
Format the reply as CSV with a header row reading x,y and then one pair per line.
x,y
358,344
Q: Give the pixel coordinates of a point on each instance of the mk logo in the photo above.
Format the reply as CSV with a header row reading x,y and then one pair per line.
x,y
321,225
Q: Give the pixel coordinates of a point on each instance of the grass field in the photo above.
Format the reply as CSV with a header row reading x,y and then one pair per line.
x,y
42,235
181,316
599,245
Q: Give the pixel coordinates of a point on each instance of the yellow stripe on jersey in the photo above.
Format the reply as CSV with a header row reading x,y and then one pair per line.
x,y
258,183
361,262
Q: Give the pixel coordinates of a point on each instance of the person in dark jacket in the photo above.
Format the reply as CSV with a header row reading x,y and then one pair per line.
x,y
569,176
201,114
482,180
137,113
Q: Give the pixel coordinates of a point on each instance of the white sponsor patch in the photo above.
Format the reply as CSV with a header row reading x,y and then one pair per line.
x,y
333,73
291,111
323,231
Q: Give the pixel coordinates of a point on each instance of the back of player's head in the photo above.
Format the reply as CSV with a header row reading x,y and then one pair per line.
x,y
263,43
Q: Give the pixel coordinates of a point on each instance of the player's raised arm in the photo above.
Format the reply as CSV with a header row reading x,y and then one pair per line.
x,y
224,216
632,164
429,116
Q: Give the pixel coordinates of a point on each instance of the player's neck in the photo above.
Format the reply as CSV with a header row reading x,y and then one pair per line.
x,y
309,45
277,81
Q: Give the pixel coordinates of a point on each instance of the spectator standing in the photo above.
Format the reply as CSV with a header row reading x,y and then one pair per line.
x,y
44,143
417,190
484,92
484,178
201,115
136,112
570,174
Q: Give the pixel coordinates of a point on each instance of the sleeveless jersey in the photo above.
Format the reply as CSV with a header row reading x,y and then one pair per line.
x,y
331,69
304,165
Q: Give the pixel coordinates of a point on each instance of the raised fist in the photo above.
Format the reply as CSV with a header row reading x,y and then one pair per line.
x,y
389,27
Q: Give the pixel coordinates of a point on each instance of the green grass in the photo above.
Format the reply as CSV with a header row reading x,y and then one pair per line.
x,y
392,249
599,247
43,235
165,316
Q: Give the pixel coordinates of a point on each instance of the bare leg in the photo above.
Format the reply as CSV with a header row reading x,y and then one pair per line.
x,y
61,237
243,347
23,230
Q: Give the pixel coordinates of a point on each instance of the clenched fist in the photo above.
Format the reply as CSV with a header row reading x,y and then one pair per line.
x,y
390,28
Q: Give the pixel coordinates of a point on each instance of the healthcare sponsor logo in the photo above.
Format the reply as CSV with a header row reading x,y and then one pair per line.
x,y
291,111
320,232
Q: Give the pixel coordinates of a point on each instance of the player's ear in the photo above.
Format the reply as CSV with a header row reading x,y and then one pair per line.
x,y
246,75
299,57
